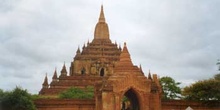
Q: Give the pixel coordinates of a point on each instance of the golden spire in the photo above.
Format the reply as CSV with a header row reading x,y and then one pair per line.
x,y
101,29
102,16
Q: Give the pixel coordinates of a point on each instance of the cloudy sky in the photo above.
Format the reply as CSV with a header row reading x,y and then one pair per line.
x,y
176,38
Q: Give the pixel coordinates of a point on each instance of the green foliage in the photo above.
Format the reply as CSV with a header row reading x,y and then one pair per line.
x,y
204,90
217,77
125,99
170,88
1,93
35,97
17,99
77,93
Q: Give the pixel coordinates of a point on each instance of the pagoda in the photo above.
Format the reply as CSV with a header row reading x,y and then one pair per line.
x,y
109,69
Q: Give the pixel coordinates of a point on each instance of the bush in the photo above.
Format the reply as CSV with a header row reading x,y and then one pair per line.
x,y
77,93
17,99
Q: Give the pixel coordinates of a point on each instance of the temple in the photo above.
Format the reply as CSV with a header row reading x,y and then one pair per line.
x,y
109,69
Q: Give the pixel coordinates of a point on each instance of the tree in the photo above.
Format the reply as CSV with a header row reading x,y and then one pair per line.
x,y
1,94
204,90
77,93
17,99
170,88
217,77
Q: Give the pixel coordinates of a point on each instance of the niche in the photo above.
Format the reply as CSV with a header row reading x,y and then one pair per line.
x,y
83,71
102,72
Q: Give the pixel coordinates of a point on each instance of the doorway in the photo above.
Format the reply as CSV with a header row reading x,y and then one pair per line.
x,y
102,72
130,101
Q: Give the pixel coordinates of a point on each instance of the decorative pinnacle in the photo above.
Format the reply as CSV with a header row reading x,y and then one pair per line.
x,y
45,83
149,75
55,74
102,16
141,69
78,50
125,56
64,68
101,29
119,47
125,49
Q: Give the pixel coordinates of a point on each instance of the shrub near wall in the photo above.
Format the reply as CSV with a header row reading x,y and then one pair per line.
x,y
77,93
71,99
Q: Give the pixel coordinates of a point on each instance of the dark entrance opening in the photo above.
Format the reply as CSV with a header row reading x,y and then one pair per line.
x,y
130,101
102,72
83,71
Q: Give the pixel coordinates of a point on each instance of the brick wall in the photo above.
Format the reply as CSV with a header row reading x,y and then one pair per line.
x,y
182,105
64,104
71,104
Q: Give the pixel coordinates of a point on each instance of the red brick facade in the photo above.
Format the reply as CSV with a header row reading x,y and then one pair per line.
x,y
58,104
109,69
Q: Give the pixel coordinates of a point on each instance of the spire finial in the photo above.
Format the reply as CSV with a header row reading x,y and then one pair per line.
x,y
88,42
125,55
78,50
119,47
141,69
55,74
64,71
101,29
102,16
125,48
149,75
45,83
64,65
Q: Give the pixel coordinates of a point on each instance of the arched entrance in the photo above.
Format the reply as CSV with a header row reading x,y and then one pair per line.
x,y
83,71
102,72
130,101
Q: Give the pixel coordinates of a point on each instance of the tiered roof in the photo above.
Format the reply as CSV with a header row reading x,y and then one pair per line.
x,y
114,61
101,46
